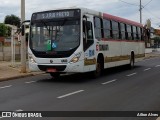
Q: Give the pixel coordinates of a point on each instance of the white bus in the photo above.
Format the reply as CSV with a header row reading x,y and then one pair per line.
x,y
79,40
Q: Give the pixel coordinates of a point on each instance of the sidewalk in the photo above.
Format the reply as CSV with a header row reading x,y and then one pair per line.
x,y
152,54
8,72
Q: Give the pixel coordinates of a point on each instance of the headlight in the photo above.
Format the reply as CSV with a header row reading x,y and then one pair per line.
x,y
31,59
76,58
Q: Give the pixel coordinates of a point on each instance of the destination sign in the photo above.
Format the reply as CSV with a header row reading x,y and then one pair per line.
x,y
55,14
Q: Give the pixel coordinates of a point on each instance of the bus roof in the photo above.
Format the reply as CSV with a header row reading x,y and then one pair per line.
x,y
111,17
103,15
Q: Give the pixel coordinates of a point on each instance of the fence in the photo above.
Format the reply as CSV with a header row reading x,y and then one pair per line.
x,y
5,53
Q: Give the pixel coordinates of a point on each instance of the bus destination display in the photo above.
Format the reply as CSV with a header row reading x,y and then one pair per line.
x,y
54,14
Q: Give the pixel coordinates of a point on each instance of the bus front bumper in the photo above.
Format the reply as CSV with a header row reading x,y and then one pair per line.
x,y
73,68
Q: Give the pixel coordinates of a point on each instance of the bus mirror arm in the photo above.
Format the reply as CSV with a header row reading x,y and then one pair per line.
x,y
26,21
22,30
23,26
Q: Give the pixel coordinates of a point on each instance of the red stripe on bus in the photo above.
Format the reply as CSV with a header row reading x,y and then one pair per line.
x,y
119,19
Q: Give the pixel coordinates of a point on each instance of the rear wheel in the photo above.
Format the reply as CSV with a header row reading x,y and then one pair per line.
x,y
131,65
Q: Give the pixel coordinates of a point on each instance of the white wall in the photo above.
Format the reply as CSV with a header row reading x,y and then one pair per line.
x,y
149,50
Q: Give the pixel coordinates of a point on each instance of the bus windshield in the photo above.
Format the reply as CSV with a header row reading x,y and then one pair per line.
x,y
58,36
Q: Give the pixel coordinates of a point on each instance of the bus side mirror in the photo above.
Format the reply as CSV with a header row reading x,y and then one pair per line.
x,y
23,26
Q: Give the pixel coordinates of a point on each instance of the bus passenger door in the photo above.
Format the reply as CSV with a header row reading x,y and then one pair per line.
x,y
88,43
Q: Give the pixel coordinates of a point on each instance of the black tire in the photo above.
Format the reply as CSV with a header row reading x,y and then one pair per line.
x,y
99,68
55,75
132,61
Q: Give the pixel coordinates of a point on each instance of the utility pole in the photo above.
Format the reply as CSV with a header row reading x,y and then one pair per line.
x,y
140,11
23,41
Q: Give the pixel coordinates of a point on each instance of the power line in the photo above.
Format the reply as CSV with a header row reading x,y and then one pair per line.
x,y
136,4
147,3
152,13
140,9
129,3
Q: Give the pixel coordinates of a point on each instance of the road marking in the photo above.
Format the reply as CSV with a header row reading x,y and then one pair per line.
x,y
6,87
69,94
147,69
131,74
157,66
30,82
109,82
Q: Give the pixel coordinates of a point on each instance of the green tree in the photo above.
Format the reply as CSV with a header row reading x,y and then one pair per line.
x,y
157,41
8,31
3,30
12,20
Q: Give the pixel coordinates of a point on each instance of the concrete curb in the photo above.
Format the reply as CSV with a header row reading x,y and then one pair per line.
x,y
20,76
148,55
14,77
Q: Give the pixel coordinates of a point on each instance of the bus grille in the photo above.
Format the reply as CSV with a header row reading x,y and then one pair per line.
x,y
58,68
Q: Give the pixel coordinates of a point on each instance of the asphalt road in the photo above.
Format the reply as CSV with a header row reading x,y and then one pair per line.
x,y
119,89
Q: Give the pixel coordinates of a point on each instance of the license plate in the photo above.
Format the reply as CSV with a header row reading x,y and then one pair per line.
x,y
51,70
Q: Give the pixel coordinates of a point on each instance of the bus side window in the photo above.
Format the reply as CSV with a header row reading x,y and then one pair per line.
x,y
115,30
134,28
142,37
97,28
137,36
129,31
119,29
126,33
140,34
132,35
107,29
123,33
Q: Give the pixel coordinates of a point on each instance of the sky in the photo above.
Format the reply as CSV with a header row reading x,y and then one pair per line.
x,y
128,9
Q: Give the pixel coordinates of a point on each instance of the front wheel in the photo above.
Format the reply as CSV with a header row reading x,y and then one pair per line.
x,y
98,70
55,75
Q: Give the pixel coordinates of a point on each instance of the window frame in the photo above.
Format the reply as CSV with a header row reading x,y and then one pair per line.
x,y
107,28
115,29
98,28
